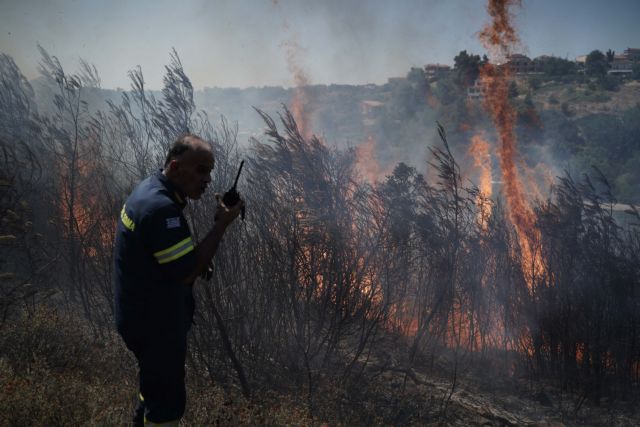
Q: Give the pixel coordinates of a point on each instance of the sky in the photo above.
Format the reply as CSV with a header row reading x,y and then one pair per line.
x,y
242,43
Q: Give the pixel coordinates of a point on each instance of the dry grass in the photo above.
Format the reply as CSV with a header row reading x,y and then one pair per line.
x,y
53,372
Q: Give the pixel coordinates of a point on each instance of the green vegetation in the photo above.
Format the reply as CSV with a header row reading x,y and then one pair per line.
x,y
557,67
612,144
596,64
467,68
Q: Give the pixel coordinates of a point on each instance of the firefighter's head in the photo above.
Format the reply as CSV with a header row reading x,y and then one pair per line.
x,y
189,164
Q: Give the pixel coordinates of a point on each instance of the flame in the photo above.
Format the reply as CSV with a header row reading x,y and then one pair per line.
x,y
366,160
78,203
432,101
479,150
499,38
300,102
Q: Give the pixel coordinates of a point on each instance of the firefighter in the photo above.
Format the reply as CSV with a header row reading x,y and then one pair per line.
x,y
156,264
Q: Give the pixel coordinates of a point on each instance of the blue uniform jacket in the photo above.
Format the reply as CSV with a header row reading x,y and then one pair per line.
x,y
153,255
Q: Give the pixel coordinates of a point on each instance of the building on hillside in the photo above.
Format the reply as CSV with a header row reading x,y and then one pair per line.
x,y
477,91
539,61
621,65
436,70
632,54
520,64
371,110
582,59
581,63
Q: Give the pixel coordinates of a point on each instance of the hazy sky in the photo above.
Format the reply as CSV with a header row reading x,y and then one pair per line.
x,y
259,42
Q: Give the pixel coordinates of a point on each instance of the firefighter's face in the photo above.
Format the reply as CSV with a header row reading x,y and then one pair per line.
x,y
192,171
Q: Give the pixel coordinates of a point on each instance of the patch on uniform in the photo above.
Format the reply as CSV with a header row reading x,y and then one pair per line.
x,y
173,222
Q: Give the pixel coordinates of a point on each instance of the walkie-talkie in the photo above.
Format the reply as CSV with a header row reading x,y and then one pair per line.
x,y
232,196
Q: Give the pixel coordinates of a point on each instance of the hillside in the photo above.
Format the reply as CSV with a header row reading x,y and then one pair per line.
x,y
568,126
565,123
583,101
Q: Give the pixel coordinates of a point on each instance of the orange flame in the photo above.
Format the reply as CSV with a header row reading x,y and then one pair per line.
x,y
366,161
300,103
499,38
78,204
479,150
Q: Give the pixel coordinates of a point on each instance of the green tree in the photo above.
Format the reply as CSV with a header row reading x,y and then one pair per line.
x,y
416,76
596,64
610,55
467,68
554,67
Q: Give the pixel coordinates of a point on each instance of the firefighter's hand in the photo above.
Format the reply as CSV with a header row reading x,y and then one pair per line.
x,y
226,214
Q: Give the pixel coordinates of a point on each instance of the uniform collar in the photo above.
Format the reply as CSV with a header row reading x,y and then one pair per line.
x,y
175,194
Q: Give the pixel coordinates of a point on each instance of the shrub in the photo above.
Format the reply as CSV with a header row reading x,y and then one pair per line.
x,y
54,373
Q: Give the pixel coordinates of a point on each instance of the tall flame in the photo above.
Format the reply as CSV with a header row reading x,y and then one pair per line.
x,y
479,150
499,38
366,161
300,103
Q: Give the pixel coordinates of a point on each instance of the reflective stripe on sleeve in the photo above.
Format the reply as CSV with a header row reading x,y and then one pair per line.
x,y
174,252
126,221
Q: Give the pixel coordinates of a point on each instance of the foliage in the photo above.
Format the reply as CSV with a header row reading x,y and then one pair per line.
x,y
555,67
610,55
611,145
535,82
53,373
596,64
467,68
21,167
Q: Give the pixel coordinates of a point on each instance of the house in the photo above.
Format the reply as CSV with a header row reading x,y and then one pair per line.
x,y
632,54
477,91
372,108
520,64
621,65
436,70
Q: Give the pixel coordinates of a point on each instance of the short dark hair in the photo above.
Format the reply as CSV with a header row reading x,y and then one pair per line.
x,y
180,146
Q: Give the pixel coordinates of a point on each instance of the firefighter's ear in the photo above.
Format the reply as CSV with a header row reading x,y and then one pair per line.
x,y
173,166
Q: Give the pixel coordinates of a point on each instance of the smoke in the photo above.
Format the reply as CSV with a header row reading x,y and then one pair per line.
x,y
295,57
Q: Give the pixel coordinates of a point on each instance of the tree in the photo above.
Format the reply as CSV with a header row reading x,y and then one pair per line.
x,y
554,66
467,68
416,76
610,55
596,64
